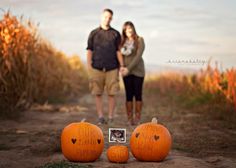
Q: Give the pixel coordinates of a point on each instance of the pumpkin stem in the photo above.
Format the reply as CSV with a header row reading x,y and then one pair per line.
x,y
83,120
154,120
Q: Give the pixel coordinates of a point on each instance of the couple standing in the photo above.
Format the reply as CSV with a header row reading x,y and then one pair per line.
x,y
108,54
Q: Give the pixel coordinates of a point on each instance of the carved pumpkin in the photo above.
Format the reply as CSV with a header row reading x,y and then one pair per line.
x,y
118,154
83,142
150,142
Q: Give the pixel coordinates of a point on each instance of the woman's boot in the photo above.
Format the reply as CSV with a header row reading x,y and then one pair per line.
x,y
129,110
138,109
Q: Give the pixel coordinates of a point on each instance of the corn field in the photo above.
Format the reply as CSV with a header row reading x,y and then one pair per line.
x,y
208,81
32,70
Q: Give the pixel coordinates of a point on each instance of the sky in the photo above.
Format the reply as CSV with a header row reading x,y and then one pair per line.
x,y
182,33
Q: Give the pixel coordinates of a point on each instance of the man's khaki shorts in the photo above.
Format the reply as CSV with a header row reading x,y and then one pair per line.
x,y
100,80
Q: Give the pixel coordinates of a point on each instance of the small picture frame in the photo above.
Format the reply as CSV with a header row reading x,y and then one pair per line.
x,y
117,135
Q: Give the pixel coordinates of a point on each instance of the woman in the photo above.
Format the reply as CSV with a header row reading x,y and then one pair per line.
x,y
132,47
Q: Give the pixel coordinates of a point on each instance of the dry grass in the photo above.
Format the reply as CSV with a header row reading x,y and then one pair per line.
x,y
208,86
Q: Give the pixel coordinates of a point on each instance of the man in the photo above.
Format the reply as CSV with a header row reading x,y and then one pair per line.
x,y
104,60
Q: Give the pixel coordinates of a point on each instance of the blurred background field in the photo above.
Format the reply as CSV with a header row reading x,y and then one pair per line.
x,y
33,71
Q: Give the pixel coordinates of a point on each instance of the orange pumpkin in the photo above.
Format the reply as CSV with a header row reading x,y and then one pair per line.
x,y
83,142
150,142
118,154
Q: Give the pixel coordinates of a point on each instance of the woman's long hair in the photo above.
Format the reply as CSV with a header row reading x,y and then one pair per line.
x,y
135,35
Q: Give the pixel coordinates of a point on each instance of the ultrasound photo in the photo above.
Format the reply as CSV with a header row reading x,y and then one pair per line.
x,y
117,135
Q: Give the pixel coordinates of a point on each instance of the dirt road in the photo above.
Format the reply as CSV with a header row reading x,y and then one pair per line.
x,y
34,139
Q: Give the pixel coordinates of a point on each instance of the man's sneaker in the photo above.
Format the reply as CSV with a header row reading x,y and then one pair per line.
x,y
101,121
110,121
